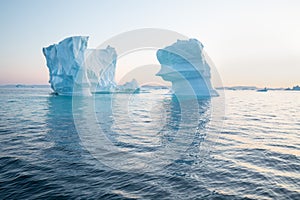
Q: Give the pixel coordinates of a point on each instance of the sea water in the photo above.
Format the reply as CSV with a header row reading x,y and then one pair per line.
x,y
244,145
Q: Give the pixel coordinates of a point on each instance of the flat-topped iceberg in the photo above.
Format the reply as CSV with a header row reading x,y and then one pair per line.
x,y
184,64
76,70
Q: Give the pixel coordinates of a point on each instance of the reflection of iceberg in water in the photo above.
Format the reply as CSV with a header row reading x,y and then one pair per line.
x,y
143,131
60,119
186,130
64,142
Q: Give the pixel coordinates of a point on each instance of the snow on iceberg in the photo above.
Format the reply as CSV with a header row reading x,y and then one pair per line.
x,y
76,70
183,63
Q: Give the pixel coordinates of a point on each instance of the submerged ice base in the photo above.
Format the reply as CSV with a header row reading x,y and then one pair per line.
x,y
76,70
183,63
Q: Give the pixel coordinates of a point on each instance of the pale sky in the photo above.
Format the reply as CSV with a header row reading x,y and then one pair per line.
x,y
254,42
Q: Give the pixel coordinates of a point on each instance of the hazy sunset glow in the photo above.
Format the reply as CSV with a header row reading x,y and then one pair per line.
x,y
250,42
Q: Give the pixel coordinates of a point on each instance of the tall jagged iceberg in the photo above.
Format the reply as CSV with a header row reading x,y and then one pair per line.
x,y
184,64
76,70
67,70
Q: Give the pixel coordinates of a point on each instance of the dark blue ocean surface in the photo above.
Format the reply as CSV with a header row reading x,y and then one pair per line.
x,y
149,146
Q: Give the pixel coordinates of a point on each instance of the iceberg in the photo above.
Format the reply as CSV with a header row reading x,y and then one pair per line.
x,y
76,70
101,66
67,71
183,63
128,87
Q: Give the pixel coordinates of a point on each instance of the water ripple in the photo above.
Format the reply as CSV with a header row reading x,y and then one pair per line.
x,y
255,156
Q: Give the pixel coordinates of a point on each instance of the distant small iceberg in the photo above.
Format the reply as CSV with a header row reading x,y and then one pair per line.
x,y
295,88
262,90
20,85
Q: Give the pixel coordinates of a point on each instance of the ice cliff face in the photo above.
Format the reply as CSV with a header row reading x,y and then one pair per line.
x,y
76,70
65,61
183,63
